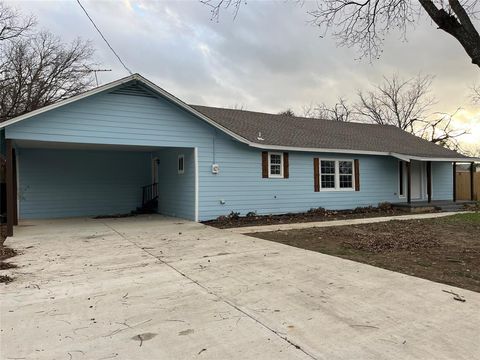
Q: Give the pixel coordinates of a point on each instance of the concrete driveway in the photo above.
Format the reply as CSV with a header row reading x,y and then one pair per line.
x,y
151,287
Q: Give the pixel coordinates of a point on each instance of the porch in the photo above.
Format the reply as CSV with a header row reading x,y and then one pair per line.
x,y
416,179
442,205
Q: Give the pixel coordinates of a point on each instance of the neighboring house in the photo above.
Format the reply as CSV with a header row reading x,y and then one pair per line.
x,y
92,154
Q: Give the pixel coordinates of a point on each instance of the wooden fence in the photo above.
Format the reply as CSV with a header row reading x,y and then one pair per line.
x,y
463,186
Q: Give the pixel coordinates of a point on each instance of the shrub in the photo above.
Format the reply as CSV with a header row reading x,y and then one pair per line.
x,y
234,215
385,206
251,214
319,210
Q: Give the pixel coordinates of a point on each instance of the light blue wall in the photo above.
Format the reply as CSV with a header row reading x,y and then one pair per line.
x,y
442,181
241,186
176,191
129,117
65,183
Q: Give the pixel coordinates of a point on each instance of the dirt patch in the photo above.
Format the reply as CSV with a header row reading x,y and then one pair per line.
x,y
445,250
6,252
4,279
3,233
320,214
6,266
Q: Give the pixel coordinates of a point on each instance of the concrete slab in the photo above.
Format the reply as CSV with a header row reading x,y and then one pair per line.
x,y
328,223
157,288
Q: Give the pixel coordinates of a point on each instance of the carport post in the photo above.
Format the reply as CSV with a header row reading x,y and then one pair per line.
x,y
409,183
15,187
429,181
10,187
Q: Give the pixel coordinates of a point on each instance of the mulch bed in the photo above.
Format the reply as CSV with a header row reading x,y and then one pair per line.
x,y
445,250
320,214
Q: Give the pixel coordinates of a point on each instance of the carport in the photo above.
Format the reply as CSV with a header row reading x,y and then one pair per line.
x,y
58,180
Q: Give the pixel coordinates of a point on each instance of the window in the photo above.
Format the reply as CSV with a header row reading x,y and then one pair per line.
x,y
275,165
181,164
345,169
327,177
336,174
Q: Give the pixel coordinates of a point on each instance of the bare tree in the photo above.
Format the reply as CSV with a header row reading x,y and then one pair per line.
x,y
217,5
12,24
288,112
365,24
407,104
439,130
38,69
340,111
476,94
398,102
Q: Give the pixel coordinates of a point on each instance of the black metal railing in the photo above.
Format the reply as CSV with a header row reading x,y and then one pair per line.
x,y
149,193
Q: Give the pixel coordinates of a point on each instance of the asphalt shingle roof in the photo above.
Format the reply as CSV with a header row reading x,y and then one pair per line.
x,y
288,131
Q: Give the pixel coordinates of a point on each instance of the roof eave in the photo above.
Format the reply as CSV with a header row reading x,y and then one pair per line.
x,y
404,157
213,123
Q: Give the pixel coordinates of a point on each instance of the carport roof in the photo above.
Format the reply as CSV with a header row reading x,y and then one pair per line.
x,y
281,132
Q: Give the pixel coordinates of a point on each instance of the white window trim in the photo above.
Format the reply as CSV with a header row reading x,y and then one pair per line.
x,y
181,171
337,175
275,176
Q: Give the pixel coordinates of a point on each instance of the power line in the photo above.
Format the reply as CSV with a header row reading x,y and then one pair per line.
x,y
104,39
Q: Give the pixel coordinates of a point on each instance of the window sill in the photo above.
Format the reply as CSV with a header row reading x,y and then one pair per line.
x,y
336,189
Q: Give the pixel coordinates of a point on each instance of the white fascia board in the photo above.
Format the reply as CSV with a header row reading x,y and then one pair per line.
x,y
188,108
72,99
205,118
155,88
438,159
318,150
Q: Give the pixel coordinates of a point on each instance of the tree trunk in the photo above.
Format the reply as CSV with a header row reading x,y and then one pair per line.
x,y
458,25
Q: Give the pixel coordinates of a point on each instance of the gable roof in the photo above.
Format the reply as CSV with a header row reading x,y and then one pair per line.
x,y
271,131
308,133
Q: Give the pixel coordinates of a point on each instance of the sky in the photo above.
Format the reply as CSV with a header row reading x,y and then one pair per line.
x,y
267,58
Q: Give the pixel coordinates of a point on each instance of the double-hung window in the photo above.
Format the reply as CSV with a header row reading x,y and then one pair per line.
x,y
337,175
327,174
275,165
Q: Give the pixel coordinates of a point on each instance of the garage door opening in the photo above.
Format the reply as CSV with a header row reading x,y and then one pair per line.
x,y
59,180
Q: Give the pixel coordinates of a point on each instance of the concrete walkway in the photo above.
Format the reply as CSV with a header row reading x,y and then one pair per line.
x,y
327,223
150,287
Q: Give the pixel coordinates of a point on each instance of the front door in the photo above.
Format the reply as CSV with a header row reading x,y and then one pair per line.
x,y
417,178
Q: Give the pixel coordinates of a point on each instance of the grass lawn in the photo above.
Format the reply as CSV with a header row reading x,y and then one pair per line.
x,y
445,250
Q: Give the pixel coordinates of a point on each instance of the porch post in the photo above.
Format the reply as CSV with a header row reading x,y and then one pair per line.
x,y
409,183
15,205
454,181
429,181
472,181
10,195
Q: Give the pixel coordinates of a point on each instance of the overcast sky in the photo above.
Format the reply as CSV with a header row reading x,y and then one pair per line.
x,y
267,59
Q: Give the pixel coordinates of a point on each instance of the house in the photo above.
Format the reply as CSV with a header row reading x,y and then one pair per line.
x,y
118,146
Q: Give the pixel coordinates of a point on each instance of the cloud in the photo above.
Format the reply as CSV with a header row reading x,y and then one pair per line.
x,y
268,58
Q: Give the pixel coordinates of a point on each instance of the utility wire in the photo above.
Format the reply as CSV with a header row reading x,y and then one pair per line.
x,y
103,37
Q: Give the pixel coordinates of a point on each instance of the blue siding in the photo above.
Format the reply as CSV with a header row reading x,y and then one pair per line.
x,y
176,191
127,118
241,186
65,183
442,181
